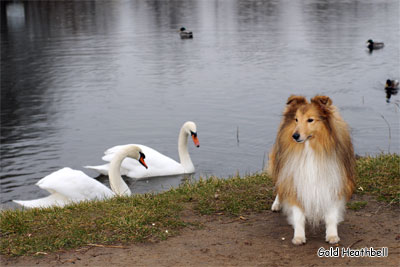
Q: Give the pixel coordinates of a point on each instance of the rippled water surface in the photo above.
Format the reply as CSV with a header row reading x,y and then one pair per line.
x,y
78,77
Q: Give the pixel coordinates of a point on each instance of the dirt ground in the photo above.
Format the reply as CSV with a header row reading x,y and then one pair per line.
x,y
256,239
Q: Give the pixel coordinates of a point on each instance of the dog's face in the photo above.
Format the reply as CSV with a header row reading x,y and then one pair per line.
x,y
308,123
308,119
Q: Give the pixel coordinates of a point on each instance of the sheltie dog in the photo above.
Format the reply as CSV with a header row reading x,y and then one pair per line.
x,y
313,166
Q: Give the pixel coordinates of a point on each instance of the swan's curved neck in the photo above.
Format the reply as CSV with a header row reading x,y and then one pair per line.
x,y
184,156
118,186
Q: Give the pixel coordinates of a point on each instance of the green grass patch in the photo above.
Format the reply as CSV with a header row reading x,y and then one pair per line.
x,y
231,196
357,205
156,217
119,219
379,176
126,219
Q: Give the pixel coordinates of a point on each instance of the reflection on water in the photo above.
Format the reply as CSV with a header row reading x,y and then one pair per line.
x,y
78,77
391,88
389,93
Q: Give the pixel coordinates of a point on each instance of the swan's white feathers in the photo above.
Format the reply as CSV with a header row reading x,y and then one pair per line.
x,y
54,199
66,186
158,164
74,185
103,169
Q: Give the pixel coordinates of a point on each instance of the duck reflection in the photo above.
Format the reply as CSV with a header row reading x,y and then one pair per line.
x,y
374,45
391,88
389,93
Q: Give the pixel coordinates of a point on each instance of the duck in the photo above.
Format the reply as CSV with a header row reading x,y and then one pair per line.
x,y
185,34
68,186
391,88
374,45
392,84
159,164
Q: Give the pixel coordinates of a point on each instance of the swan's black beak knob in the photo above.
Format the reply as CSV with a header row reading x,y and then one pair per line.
x,y
195,139
141,160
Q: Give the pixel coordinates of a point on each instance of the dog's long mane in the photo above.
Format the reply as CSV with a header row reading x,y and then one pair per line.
x,y
334,139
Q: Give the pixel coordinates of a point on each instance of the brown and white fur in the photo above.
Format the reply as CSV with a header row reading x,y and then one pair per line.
x,y
313,165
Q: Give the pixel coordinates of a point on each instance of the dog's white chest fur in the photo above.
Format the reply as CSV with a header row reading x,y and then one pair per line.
x,y
316,180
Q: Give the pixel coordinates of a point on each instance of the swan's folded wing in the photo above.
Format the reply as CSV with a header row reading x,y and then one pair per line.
x,y
49,201
74,185
158,165
115,149
102,169
108,155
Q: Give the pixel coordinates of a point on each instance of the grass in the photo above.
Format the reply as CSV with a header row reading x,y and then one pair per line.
x,y
379,176
230,196
356,205
116,220
156,217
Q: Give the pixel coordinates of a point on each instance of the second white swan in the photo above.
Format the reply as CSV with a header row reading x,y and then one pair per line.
x,y
159,164
67,185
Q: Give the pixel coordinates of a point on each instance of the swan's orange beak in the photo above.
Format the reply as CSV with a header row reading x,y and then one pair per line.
x,y
195,140
141,160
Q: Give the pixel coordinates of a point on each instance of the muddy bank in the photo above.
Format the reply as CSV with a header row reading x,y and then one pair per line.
x,y
255,239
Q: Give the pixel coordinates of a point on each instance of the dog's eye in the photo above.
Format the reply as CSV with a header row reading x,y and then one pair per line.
x,y
295,119
310,120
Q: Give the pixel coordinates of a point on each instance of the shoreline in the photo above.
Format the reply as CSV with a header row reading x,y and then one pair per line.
x,y
158,217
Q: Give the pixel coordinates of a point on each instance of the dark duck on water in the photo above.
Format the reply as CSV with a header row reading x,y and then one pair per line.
x,y
185,34
374,45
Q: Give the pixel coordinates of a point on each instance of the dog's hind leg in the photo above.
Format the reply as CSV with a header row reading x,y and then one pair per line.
x,y
298,220
276,206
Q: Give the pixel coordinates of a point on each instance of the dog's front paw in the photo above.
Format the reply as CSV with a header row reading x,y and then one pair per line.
x,y
276,206
332,239
299,240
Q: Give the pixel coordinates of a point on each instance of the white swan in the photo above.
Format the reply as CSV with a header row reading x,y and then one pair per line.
x,y
67,185
159,164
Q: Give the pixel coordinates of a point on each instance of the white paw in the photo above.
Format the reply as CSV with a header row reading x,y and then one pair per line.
x,y
333,239
276,206
299,240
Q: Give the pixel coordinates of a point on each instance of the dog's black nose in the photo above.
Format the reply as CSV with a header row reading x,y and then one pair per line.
x,y
296,136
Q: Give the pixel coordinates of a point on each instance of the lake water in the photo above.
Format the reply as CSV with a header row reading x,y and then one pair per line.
x,y
79,77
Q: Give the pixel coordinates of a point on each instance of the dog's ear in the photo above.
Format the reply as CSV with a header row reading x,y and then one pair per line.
x,y
292,104
296,100
321,100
